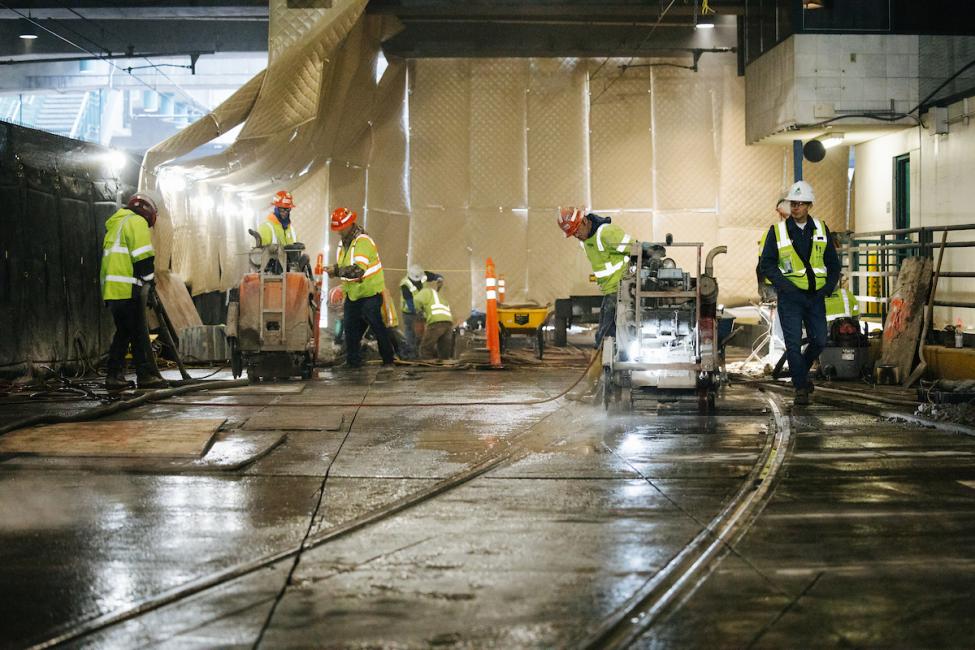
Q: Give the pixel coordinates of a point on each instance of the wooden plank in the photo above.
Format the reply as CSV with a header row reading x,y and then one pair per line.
x,y
294,419
903,326
177,301
172,438
231,450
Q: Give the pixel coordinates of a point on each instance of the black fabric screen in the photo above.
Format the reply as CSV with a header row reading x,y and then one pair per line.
x,y
56,195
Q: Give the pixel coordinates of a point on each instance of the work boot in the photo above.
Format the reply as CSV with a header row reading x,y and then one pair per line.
x,y
151,381
115,380
802,397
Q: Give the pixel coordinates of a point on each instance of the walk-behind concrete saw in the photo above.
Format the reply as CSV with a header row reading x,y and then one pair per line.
x,y
666,329
272,315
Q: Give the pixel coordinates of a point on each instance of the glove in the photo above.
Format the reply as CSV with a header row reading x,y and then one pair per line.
x,y
351,272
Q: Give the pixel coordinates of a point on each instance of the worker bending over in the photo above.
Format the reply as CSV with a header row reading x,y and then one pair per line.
x,y
358,265
128,264
800,260
409,286
607,247
438,334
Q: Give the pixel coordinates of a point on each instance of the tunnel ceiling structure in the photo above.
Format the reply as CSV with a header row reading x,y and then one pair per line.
x,y
430,28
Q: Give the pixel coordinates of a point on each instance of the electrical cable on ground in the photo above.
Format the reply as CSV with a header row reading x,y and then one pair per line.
x,y
364,404
116,407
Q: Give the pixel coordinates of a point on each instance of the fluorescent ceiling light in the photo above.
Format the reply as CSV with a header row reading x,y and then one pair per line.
x,y
812,4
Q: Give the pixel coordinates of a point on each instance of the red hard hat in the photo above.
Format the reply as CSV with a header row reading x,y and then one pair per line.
x,y
336,297
342,217
283,199
569,220
145,204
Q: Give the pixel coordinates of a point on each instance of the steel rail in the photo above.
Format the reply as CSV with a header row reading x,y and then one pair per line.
x,y
519,447
695,562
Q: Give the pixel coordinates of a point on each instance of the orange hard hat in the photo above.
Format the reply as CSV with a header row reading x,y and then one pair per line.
x,y
336,297
569,220
283,199
342,217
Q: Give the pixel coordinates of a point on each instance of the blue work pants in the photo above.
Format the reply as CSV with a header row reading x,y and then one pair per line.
x,y
797,309
607,318
358,315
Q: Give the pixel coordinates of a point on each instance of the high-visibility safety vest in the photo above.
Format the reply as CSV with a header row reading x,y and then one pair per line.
x,y
362,252
791,265
272,232
841,303
432,305
408,283
127,240
608,250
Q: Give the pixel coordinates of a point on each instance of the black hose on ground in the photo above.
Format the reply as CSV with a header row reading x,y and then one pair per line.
x,y
122,405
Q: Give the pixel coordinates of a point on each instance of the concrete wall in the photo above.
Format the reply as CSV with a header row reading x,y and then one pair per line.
x,y
812,77
942,192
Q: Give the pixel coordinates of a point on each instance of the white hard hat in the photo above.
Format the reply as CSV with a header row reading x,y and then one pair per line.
x,y
801,191
415,273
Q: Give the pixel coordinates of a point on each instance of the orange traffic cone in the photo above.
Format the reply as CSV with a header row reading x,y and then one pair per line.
x,y
491,324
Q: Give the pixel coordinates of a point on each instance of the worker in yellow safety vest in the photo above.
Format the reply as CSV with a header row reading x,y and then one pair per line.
x,y
841,304
409,286
432,306
278,229
128,264
358,266
608,248
801,262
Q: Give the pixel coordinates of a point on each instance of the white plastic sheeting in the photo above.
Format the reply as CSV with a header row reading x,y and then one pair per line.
x,y
450,161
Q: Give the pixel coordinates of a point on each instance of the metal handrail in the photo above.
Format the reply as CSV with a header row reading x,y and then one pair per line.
x,y
881,253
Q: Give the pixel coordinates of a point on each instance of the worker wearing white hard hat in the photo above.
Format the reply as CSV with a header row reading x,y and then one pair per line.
x,y
801,262
409,286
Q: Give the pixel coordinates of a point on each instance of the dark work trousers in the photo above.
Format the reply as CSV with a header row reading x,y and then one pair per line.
x,y
130,327
437,340
411,345
796,309
607,318
358,315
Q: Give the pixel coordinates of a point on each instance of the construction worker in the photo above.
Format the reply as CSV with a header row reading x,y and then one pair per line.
x,y
433,308
841,304
358,265
277,229
801,261
765,289
409,286
607,248
128,263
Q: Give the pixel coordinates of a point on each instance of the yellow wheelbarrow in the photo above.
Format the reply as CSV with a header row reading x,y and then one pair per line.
x,y
528,320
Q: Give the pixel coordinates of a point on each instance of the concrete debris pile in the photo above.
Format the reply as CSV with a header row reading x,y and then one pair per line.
x,y
949,401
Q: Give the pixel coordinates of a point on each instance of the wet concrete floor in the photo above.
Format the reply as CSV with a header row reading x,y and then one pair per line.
x,y
533,553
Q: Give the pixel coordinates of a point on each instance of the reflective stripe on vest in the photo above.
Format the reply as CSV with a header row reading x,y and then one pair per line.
x,y
438,307
371,282
609,270
117,263
791,265
272,222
